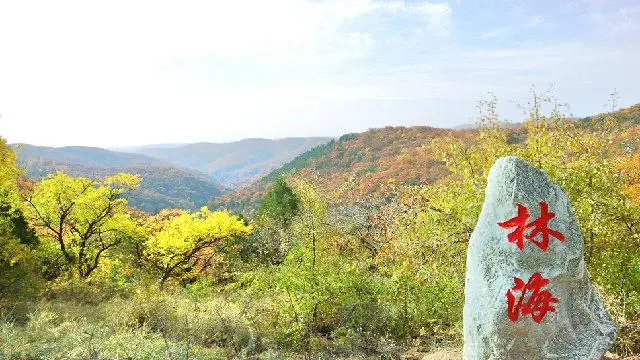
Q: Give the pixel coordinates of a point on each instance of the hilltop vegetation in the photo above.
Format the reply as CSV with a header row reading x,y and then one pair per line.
x,y
629,115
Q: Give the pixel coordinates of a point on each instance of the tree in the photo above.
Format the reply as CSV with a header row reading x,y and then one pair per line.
x,y
277,211
83,218
187,244
280,204
17,260
322,276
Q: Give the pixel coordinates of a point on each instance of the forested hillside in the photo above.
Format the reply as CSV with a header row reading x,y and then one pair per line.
x,y
236,163
357,164
163,186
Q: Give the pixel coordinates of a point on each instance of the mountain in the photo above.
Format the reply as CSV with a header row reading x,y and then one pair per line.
x,y
355,164
163,185
83,155
236,163
140,148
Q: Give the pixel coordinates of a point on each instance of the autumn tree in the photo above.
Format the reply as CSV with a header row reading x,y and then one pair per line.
x,y
17,240
83,219
185,245
630,167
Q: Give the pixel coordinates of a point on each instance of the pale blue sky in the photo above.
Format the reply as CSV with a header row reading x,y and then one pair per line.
x,y
123,73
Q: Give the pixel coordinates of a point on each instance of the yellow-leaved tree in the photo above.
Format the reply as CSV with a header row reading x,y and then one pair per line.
x,y
81,219
186,244
17,261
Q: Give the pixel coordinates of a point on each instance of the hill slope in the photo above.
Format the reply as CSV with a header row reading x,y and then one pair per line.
x,y
235,163
355,164
163,185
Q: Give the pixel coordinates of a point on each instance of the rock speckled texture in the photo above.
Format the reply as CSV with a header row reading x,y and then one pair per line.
x,y
580,328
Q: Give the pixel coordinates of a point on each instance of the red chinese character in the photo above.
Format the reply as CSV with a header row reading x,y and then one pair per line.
x,y
540,226
539,302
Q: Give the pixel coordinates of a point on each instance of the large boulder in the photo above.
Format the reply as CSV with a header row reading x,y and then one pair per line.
x,y
528,294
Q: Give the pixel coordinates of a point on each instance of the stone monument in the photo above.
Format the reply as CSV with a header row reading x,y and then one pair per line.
x,y
527,293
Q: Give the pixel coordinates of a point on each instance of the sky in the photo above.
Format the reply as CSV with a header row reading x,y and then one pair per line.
x,y
122,73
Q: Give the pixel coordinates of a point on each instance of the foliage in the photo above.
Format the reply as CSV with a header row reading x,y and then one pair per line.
x,y
626,116
57,332
82,220
162,186
280,204
273,236
18,263
189,244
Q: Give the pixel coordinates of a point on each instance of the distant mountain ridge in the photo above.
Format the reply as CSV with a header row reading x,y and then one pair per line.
x,y
236,163
174,175
163,185
84,155
471,126
628,115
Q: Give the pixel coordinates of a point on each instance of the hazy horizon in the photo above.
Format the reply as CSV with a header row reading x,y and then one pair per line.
x,y
126,74
172,145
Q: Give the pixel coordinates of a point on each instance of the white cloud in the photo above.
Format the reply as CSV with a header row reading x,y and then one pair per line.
x,y
534,20
437,15
68,64
130,72
620,20
494,32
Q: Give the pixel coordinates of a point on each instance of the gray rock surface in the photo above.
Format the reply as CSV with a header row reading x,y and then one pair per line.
x,y
579,327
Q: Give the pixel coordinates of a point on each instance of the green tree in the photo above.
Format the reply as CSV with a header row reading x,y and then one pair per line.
x,y
277,211
280,204
84,219
187,244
